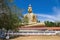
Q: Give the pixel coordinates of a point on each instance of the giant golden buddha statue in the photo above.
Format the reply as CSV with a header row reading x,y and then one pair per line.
x,y
32,19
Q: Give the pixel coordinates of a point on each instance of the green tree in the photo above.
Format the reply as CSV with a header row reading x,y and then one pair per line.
x,y
57,24
8,18
49,24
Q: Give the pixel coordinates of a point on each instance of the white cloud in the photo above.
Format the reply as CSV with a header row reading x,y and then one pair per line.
x,y
57,13
47,16
44,17
55,17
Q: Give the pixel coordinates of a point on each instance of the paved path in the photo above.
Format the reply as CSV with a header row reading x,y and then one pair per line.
x,y
37,38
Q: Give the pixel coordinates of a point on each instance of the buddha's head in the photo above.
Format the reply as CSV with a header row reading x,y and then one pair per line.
x,y
29,9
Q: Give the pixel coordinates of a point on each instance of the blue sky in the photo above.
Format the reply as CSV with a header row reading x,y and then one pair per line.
x,y
44,9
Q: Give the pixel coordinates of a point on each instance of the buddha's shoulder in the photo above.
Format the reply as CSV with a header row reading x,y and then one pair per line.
x,y
25,14
32,13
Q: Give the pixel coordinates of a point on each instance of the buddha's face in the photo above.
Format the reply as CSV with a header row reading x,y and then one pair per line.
x,y
30,10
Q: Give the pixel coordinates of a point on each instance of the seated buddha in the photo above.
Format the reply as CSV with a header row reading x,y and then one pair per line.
x,y
32,19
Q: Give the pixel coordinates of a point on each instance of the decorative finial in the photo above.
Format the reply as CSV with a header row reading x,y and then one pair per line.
x,y
29,8
29,5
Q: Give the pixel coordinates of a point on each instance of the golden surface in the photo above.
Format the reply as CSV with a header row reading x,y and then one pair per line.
x,y
37,38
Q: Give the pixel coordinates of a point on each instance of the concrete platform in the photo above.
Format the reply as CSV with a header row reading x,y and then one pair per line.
x,y
37,38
